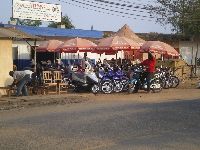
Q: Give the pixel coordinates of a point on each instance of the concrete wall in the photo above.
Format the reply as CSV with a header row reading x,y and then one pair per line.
x,y
188,51
6,63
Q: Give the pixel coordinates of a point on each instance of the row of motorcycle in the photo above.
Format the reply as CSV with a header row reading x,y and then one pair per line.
x,y
109,80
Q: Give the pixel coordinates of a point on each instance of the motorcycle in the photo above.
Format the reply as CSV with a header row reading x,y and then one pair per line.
x,y
136,82
81,80
167,78
121,81
106,85
115,79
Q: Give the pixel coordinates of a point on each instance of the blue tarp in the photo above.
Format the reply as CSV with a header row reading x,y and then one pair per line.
x,y
47,31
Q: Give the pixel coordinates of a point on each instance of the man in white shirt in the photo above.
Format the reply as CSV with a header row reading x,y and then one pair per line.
x,y
106,64
20,80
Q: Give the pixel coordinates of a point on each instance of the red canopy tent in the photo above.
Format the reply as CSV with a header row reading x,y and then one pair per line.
x,y
77,45
158,47
49,46
111,45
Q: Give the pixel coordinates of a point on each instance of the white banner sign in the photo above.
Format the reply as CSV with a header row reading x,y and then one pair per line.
x,y
36,11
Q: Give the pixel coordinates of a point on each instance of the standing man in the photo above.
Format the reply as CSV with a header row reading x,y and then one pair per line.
x,y
150,63
83,61
20,80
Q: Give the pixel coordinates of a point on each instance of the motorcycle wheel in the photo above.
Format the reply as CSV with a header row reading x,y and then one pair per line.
x,y
156,86
125,85
118,86
76,89
95,89
107,87
175,81
132,88
166,85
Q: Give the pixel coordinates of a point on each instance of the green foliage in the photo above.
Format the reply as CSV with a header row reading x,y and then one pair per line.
x,y
106,35
27,22
183,15
65,20
36,23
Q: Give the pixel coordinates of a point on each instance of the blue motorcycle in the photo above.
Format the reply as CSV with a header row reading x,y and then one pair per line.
x,y
136,82
106,85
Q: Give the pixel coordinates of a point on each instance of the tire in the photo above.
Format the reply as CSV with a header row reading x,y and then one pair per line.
x,y
132,88
175,81
107,87
166,84
156,86
125,85
95,89
170,83
76,89
118,86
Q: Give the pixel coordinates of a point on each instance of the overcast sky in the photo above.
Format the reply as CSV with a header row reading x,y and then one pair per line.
x,y
83,18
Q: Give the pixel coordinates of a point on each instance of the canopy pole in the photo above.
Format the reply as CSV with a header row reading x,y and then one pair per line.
x,y
162,58
65,59
116,58
121,57
54,58
35,57
68,59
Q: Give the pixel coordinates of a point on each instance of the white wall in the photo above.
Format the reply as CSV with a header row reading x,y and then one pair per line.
x,y
188,50
24,49
95,56
24,52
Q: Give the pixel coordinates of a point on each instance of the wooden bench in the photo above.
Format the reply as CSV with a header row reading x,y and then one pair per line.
x,y
9,90
12,91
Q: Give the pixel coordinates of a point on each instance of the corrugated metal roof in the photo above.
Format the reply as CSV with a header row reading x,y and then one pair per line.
x,y
49,32
14,33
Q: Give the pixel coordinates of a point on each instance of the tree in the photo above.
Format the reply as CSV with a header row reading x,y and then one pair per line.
x,y
183,15
27,22
65,20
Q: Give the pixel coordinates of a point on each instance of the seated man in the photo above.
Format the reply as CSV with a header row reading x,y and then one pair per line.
x,y
58,64
20,80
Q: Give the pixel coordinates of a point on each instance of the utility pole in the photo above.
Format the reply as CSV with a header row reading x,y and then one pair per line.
x,y
183,17
196,59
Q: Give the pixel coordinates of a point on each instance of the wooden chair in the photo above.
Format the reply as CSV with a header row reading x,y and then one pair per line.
x,y
62,87
8,90
57,77
49,82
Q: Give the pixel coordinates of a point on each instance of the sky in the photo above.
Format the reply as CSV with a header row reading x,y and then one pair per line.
x,y
83,18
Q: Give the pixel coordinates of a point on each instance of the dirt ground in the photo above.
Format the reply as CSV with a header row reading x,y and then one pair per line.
x,y
182,92
187,89
189,83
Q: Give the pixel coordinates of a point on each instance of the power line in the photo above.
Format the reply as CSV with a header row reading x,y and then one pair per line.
x,y
107,9
95,10
119,1
122,6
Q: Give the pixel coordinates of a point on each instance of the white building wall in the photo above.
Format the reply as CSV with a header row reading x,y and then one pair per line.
x,y
24,51
188,51
94,56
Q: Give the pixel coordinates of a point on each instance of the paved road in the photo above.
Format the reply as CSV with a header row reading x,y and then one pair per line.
x,y
103,125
